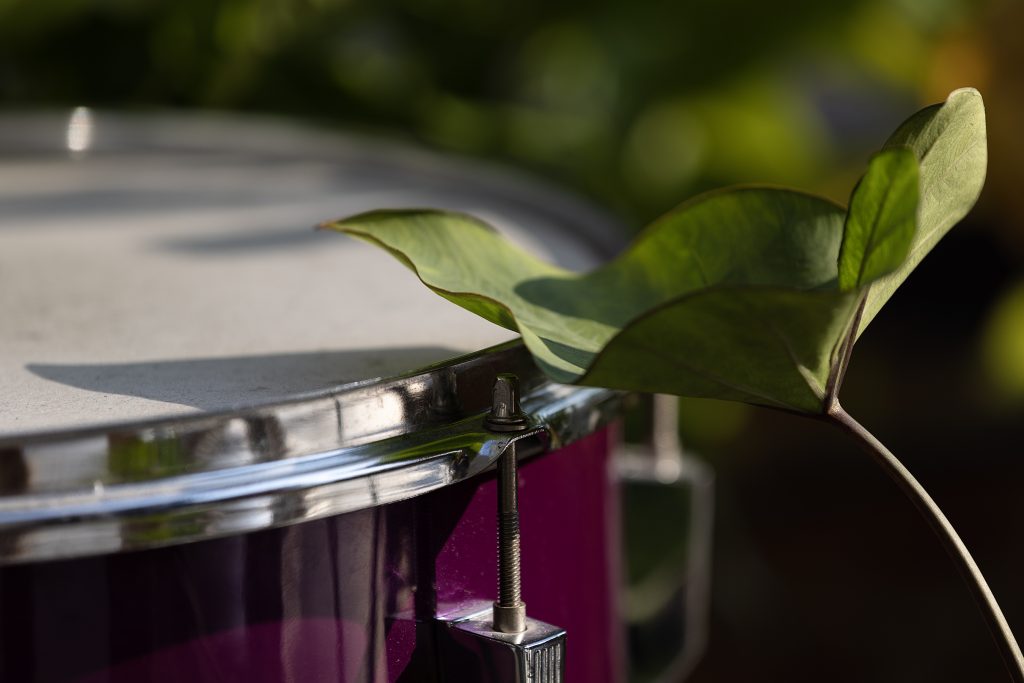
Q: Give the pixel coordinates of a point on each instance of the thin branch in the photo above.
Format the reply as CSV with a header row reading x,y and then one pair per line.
x,y
1000,630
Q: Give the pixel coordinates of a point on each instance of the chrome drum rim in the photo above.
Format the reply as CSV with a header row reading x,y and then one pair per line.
x,y
134,486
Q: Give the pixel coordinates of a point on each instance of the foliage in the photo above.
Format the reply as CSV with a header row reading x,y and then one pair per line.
x,y
579,92
749,294
753,294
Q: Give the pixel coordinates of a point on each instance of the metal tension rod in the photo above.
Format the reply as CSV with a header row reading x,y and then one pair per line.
x,y
498,641
506,416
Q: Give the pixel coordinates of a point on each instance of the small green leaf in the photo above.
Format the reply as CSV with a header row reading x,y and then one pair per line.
x,y
949,141
882,219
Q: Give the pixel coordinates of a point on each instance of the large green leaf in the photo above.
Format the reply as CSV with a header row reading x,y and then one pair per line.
x,y
738,294
949,140
742,283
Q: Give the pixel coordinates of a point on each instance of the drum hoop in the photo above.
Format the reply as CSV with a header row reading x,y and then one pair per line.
x,y
102,490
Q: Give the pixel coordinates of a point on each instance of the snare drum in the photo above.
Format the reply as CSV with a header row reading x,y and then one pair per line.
x,y
235,449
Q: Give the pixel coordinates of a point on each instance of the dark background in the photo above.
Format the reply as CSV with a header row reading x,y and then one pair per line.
x,y
822,570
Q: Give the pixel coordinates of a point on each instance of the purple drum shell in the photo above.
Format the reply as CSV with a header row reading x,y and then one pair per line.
x,y
347,599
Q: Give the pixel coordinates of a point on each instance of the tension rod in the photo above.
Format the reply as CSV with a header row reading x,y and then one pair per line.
x,y
506,416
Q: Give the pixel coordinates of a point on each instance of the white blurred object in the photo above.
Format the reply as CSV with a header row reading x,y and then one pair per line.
x,y
79,134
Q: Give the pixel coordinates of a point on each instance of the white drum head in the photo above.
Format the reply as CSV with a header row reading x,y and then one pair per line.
x,y
172,267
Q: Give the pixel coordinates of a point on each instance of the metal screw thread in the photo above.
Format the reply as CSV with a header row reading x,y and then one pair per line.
x,y
506,416
509,582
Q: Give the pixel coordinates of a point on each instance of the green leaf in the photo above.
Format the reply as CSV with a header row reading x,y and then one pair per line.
x,y
882,219
771,347
749,294
741,284
949,141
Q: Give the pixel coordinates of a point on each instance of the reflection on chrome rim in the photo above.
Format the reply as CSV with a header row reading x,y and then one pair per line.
x,y
126,487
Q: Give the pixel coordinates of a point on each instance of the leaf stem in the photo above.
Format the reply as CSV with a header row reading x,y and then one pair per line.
x,y
1000,630
837,373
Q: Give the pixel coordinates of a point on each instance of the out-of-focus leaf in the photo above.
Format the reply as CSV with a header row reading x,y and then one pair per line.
x,y
882,219
949,140
1003,345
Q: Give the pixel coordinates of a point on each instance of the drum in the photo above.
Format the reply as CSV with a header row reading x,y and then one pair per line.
x,y
236,449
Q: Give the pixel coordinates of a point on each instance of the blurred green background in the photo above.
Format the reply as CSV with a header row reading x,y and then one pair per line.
x,y
822,570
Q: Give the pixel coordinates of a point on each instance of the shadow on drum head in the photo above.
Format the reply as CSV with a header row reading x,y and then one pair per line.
x,y
229,243
241,381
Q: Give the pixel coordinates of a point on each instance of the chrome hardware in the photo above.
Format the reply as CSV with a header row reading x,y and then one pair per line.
x,y
500,644
506,416
667,609
135,486
470,650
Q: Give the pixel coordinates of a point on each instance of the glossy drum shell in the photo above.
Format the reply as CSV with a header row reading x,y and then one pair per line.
x,y
347,598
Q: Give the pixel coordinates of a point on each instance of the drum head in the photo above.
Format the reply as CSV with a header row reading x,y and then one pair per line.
x,y
166,266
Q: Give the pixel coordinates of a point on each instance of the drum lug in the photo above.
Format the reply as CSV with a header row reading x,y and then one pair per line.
x,y
670,631
500,644
470,649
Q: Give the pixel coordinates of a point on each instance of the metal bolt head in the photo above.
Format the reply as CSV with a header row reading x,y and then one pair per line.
x,y
506,415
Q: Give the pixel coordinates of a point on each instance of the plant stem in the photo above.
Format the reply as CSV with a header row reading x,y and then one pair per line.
x,y
1000,630
837,373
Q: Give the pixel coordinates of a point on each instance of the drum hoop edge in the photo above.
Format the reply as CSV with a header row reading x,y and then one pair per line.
x,y
275,465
